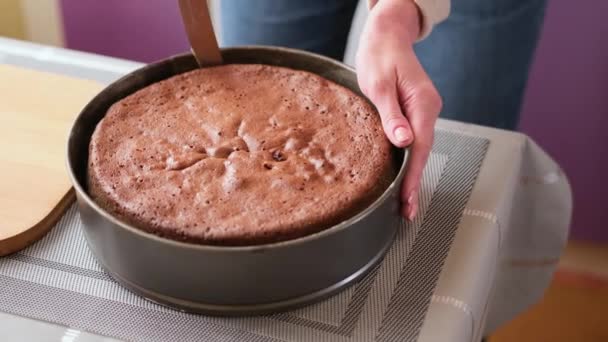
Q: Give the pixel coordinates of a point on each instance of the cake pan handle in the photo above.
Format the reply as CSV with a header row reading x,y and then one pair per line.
x,y
197,22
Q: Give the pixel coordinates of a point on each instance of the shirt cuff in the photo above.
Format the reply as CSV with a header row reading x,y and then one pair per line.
x,y
432,12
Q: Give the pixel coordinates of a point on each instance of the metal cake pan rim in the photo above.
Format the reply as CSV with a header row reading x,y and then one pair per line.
x,y
72,169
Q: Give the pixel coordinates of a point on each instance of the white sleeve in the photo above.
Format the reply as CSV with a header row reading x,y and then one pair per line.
x,y
432,13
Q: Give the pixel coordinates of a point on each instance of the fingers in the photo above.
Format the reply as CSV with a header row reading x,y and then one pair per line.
x,y
383,93
422,106
417,158
408,104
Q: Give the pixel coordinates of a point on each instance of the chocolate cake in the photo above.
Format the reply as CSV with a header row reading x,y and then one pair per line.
x,y
239,155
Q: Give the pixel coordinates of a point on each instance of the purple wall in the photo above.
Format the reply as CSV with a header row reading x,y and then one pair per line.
x,y
566,106
565,110
140,30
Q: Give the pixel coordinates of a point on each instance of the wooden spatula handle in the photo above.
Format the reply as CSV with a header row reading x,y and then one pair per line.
x,y
197,21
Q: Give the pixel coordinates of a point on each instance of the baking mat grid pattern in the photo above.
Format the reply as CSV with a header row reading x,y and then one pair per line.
x,y
58,280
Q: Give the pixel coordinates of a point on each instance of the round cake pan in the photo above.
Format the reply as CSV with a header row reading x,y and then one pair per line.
x,y
229,280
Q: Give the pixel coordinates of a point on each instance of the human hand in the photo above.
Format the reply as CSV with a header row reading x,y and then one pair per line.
x,y
391,76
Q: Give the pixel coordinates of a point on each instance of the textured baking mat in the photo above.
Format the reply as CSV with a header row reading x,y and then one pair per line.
x,y
57,279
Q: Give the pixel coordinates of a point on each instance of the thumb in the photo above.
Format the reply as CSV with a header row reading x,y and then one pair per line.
x,y
384,96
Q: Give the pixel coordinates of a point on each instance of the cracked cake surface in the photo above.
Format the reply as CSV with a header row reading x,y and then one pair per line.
x,y
238,155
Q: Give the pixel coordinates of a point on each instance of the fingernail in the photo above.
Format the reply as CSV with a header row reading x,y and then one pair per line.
x,y
412,197
401,134
411,207
412,210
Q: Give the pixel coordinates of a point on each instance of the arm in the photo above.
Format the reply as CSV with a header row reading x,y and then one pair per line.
x,y
391,76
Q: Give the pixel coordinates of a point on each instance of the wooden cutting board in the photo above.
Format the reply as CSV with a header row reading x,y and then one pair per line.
x,y
36,112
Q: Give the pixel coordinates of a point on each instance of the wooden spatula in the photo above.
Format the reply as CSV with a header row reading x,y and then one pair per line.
x,y
197,21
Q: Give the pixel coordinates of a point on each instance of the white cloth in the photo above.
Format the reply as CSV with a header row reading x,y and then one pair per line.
x,y
513,231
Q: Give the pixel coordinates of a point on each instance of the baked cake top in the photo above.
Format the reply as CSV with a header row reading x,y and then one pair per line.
x,y
239,154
